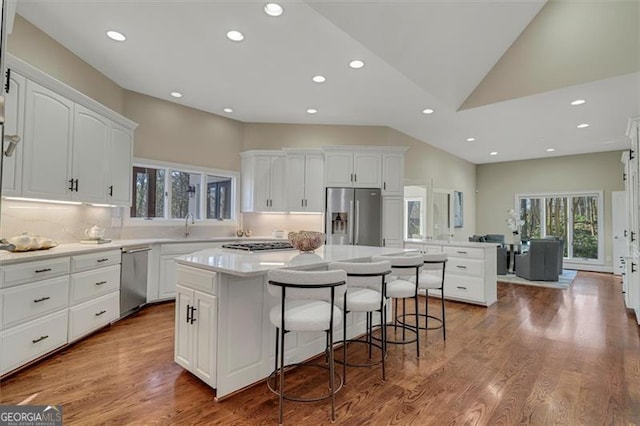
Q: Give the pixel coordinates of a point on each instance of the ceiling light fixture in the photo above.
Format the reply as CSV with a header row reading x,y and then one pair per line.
x,y
312,111
493,153
578,102
427,111
273,9
550,149
235,35
471,139
583,126
228,110
176,94
319,79
356,64
115,35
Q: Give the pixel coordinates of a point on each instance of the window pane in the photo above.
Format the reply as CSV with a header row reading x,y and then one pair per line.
x,y
556,219
530,213
414,219
585,227
185,194
218,197
148,192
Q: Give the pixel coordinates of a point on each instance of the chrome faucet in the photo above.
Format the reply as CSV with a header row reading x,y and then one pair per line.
x,y
186,224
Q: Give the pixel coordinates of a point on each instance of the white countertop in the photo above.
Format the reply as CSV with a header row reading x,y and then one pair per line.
x,y
7,258
244,264
452,243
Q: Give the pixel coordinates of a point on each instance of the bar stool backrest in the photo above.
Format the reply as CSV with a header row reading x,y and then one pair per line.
x,y
403,265
313,279
373,269
434,261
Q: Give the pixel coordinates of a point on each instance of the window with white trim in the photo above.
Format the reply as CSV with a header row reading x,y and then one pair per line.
x,y
165,192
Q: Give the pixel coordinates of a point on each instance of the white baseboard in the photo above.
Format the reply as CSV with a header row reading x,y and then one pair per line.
x,y
587,267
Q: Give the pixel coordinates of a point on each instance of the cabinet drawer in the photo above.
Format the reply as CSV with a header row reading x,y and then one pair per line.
x,y
85,262
91,284
475,253
34,271
458,265
92,315
464,287
30,301
27,342
197,279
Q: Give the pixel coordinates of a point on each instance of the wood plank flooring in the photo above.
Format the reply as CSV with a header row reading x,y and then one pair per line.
x,y
539,356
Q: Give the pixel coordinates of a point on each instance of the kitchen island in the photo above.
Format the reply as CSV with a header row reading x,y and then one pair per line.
x,y
223,334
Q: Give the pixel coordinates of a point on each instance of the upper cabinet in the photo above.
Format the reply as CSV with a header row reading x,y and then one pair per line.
x,y
72,148
14,127
393,173
263,181
358,169
304,181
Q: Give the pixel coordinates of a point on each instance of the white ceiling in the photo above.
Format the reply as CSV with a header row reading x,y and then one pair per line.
x,y
418,54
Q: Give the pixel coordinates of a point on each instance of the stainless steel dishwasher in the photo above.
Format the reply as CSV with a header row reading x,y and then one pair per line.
x,y
133,279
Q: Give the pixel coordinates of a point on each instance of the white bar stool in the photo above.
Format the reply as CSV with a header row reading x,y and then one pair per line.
x,y
307,303
366,292
405,270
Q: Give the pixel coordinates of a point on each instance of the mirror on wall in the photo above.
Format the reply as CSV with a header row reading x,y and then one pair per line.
x,y
429,212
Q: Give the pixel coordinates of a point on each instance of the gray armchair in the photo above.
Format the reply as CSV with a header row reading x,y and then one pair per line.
x,y
541,262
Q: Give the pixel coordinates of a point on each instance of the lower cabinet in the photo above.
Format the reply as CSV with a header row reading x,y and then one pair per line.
x,y
92,315
195,333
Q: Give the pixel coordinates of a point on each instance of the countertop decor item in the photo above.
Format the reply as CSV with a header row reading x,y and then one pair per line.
x,y
94,233
306,241
26,242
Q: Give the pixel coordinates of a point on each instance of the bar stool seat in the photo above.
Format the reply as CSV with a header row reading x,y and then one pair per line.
x,y
362,300
400,289
304,315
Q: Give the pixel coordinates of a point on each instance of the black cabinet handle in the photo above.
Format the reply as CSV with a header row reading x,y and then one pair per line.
x,y
631,157
189,313
101,282
7,84
461,288
43,270
624,177
100,313
104,259
355,177
111,190
70,185
633,236
461,252
40,339
193,318
461,267
76,185
633,267
42,299
384,186
625,232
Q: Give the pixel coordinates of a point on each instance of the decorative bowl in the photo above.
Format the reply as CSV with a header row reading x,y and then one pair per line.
x,y
306,241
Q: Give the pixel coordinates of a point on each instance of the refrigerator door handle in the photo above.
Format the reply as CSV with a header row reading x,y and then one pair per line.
x,y
351,222
357,222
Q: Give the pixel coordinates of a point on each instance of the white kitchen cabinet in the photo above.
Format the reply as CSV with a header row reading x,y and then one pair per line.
x,y
14,125
392,222
632,184
304,182
393,174
119,173
48,136
263,181
89,155
348,168
196,328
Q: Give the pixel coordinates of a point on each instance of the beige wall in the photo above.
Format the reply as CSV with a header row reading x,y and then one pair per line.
x,y
38,49
171,132
499,182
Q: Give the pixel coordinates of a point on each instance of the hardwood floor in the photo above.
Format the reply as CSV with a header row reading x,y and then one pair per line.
x,y
539,356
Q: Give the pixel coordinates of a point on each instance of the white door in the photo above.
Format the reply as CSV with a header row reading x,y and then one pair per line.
x,y
184,330
619,225
14,125
205,337
392,222
314,183
367,170
119,170
295,182
47,144
89,167
393,174
338,169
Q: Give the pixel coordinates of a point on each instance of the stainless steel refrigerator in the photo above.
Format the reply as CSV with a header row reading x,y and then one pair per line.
x,y
354,216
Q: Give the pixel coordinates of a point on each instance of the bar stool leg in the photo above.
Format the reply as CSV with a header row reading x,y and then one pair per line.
x,y
331,376
444,328
383,344
417,305
344,347
281,398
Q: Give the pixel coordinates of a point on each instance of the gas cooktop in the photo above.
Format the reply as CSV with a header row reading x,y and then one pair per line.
x,y
266,246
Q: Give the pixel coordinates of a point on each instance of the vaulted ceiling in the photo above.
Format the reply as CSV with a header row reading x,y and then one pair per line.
x,y
502,72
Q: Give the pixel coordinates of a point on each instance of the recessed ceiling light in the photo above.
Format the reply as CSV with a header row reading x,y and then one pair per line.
x,y
176,94
550,149
229,110
312,111
235,35
471,139
427,111
356,64
578,102
583,125
493,153
273,9
115,35
319,79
